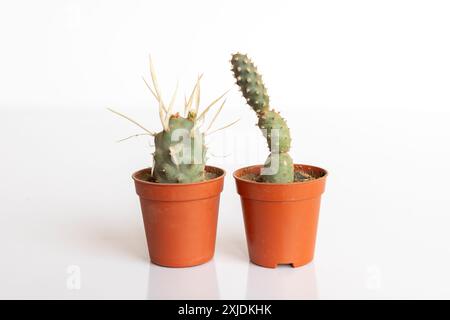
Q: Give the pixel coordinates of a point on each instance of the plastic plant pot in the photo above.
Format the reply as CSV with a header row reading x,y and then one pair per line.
x,y
281,218
180,219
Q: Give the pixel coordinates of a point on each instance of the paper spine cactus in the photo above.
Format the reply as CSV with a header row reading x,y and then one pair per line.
x,y
273,126
180,152
168,156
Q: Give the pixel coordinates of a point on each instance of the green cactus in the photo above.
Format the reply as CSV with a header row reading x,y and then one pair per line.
x,y
250,81
180,152
273,126
285,168
169,148
270,120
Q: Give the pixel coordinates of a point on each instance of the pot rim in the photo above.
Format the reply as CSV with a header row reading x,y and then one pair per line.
x,y
159,184
238,178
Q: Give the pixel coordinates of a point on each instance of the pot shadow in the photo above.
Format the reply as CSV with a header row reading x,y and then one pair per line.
x,y
283,282
124,240
194,283
233,246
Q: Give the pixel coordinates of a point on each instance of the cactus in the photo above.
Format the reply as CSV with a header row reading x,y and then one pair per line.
x,y
168,155
273,126
180,152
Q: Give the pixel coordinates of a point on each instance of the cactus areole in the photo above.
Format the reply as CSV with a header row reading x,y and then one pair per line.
x,y
279,167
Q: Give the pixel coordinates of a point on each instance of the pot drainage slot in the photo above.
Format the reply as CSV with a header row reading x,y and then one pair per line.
x,y
285,265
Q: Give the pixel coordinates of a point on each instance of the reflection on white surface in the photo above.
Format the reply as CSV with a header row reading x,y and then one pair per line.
x,y
284,282
199,282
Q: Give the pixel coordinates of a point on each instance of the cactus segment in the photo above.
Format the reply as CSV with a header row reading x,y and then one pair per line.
x,y
250,81
284,174
270,121
171,164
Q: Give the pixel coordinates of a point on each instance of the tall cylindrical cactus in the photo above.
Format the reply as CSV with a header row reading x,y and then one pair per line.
x,y
279,167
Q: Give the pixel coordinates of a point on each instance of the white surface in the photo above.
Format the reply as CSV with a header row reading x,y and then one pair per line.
x,y
364,86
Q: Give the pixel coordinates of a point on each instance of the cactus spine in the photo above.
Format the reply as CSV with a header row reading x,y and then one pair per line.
x,y
273,126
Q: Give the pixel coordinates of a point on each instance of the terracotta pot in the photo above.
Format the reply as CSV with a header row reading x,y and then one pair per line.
x,y
280,218
180,220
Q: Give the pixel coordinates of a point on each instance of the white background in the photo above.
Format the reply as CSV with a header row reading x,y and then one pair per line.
x,y
364,86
